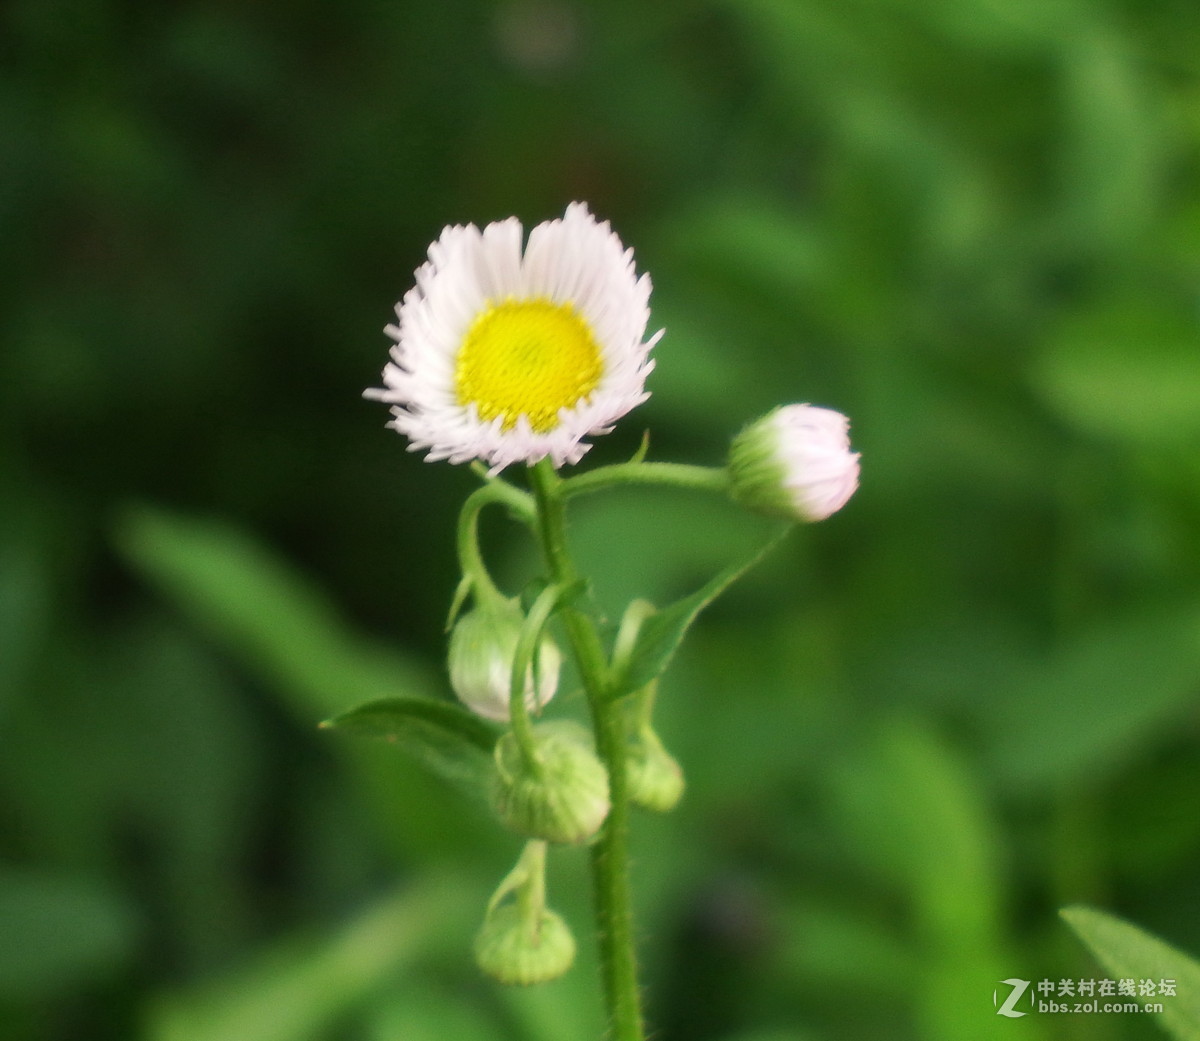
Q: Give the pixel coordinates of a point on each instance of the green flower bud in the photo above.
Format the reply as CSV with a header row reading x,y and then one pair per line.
x,y
515,951
794,462
562,796
654,777
482,648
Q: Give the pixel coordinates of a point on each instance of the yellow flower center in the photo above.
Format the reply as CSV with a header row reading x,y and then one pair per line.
x,y
530,358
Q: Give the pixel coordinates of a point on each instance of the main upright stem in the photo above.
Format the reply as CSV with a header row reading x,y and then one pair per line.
x,y
610,851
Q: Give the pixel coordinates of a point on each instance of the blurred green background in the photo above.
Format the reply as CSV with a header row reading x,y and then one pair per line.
x,y
925,725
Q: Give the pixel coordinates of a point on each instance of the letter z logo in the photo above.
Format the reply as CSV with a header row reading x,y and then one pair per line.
x,y
1008,1008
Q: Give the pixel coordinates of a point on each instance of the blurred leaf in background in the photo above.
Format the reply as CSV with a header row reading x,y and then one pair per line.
x,y
909,738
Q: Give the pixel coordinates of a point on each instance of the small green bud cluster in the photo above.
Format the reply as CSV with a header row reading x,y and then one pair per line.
x,y
548,784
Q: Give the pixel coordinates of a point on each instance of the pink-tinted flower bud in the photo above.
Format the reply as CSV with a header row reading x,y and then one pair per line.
x,y
794,462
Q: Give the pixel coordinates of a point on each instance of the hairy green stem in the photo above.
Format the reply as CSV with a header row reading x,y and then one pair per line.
x,y
673,475
610,851
531,897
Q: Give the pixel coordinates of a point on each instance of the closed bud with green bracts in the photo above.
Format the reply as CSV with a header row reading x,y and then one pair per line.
x,y
522,951
482,648
560,794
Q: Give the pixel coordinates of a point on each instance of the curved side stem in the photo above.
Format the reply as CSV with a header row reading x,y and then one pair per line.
x,y
476,577
672,475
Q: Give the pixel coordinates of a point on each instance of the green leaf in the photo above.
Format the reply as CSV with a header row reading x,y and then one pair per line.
x,y
912,807
661,633
845,949
455,743
1130,953
578,593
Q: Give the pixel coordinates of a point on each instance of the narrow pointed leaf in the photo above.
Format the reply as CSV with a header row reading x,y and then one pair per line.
x,y
1131,953
661,633
453,742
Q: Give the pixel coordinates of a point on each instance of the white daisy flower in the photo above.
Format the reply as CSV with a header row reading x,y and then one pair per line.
x,y
511,357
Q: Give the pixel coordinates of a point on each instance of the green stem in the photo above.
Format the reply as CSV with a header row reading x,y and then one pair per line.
x,y
470,559
531,897
673,475
527,880
525,660
610,851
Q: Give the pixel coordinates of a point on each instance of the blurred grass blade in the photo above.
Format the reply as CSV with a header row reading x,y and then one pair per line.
x,y
453,742
297,990
1091,705
434,1012
1130,953
914,808
254,602
285,632
1127,371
